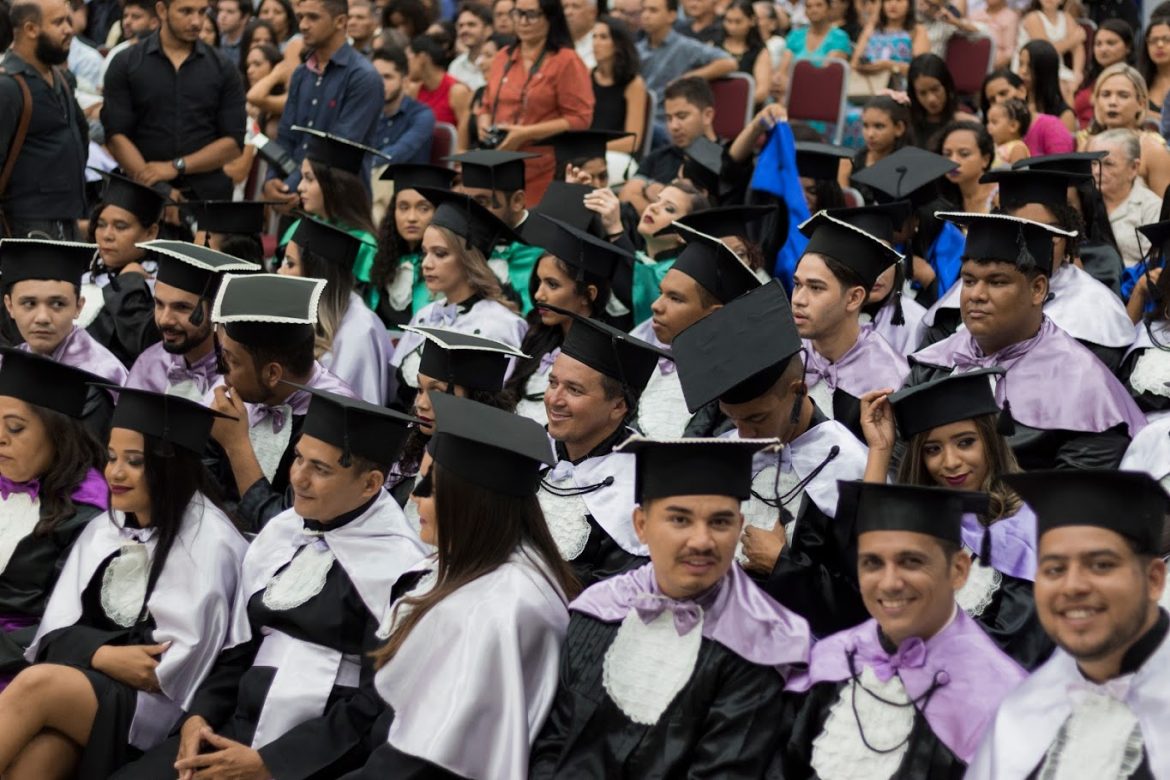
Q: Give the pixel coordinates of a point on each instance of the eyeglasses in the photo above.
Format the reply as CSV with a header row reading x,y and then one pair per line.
x,y
528,17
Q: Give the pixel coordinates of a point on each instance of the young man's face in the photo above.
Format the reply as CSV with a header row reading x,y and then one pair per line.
x,y
998,302
471,30
691,540
230,17
172,314
391,80
821,303
686,122
316,24
43,311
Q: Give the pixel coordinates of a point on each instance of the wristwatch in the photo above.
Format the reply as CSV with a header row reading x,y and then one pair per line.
x,y
180,164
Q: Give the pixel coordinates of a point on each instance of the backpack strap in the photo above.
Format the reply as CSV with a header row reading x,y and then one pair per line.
x,y
26,110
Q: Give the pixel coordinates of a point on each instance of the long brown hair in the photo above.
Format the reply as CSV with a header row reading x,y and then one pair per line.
x,y
1000,460
479,273
75,452
478,530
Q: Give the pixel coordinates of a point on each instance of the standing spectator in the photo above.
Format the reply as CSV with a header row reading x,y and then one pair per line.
x,y
702,22
429,55
139,20
582,16
47,190
741,39
232,16
1113,42
473,26
361,27
1001,22
1154,63
619,92
174,108
502,17
335,91
487,54
267,92
279,14
1127,199
405,126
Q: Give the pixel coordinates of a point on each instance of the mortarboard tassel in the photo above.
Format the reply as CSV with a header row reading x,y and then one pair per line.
x,y
197,316
1024,258
985,547
798,404
899,283
1006,426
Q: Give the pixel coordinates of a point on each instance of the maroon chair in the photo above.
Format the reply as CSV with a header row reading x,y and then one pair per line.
x,y
816,93
734,100
444,140
969,59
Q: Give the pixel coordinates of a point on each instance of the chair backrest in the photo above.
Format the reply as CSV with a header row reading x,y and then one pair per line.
x,y
735,96
817,93
648,127
444,140
970,58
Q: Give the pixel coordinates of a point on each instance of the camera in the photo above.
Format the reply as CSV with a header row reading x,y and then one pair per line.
x,y
274,154
493,138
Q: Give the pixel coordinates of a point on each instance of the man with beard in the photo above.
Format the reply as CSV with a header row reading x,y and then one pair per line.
x,y
46,189
174,108
404,128
185,361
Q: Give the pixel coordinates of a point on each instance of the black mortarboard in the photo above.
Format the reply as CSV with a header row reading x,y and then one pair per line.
x,y
1017,187
472,362
582,145
336,152
609,351
492,448
905,175
326,241
862,253
693,467
820,161
172,419
355,427
592,258
736,353
944,401
935,511
490,169
145,203
267,309
724,221
228,217
409,176
564,201
1077,163
713,266
464,217
193,268
42,381
1129,503
34,258
1159,235
879,220
998,237
702,164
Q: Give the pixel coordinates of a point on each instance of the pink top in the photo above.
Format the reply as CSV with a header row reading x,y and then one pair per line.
x,y
1048,135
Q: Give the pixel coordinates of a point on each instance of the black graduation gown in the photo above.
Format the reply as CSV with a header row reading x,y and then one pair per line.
x,y
1103,262
98,412
27,582
264,499
1010,619
125,323
722,724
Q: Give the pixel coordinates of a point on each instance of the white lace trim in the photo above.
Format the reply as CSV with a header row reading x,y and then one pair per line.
x,y
822,396
186,389
662,410
839,752
399,610
124,585
980,588
757,513
565,517
409,366
499,267
94,301
648,664
19,515
269,446
534,410
1151,372
400,292
301,580
1101,739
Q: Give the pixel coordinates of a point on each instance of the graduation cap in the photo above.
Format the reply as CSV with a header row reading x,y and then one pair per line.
x,y
267,309
44,382
592,258
336,152
738,352
331,243
905,175
1017,187
852,247
713,266
171,419
1159,235
1129,503
228,217
944,401
564,201
194,269
820,161
410,176
702,164
33,258
577,146
725,221
464,217
934,511
489,447
145,203
355,427
491,169
1077,163
1004,239
693,467
610,351
463,359
880,220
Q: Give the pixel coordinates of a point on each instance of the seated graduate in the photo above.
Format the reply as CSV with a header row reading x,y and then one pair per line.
x,y
315,584
50,487
499,595
754,233
455,245
141,609
910,692
678,667
1098,707
747,357
575,273
583,158
1145,369
185,362
351,341
1077,303
830,285
117,309
266,326
1090,421
952,441
592,398
42,283
233,227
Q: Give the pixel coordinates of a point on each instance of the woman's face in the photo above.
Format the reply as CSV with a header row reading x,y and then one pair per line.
x,y
1108,48
602,42
736,24
1024,68
257,65
809,186
955,457
766,19
884,284
672,204
999,90
931,95
962,147
261,36
207,31
442,271
880,131
116,234
273,13
412,215
502,17
26,452
427,528
1117,103
290,264
896,10
531,23
309,188
557,288
1158,43
423,408
126,472
816,10
487,53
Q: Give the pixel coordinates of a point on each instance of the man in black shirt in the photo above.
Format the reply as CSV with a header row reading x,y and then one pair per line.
x,y
174,108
